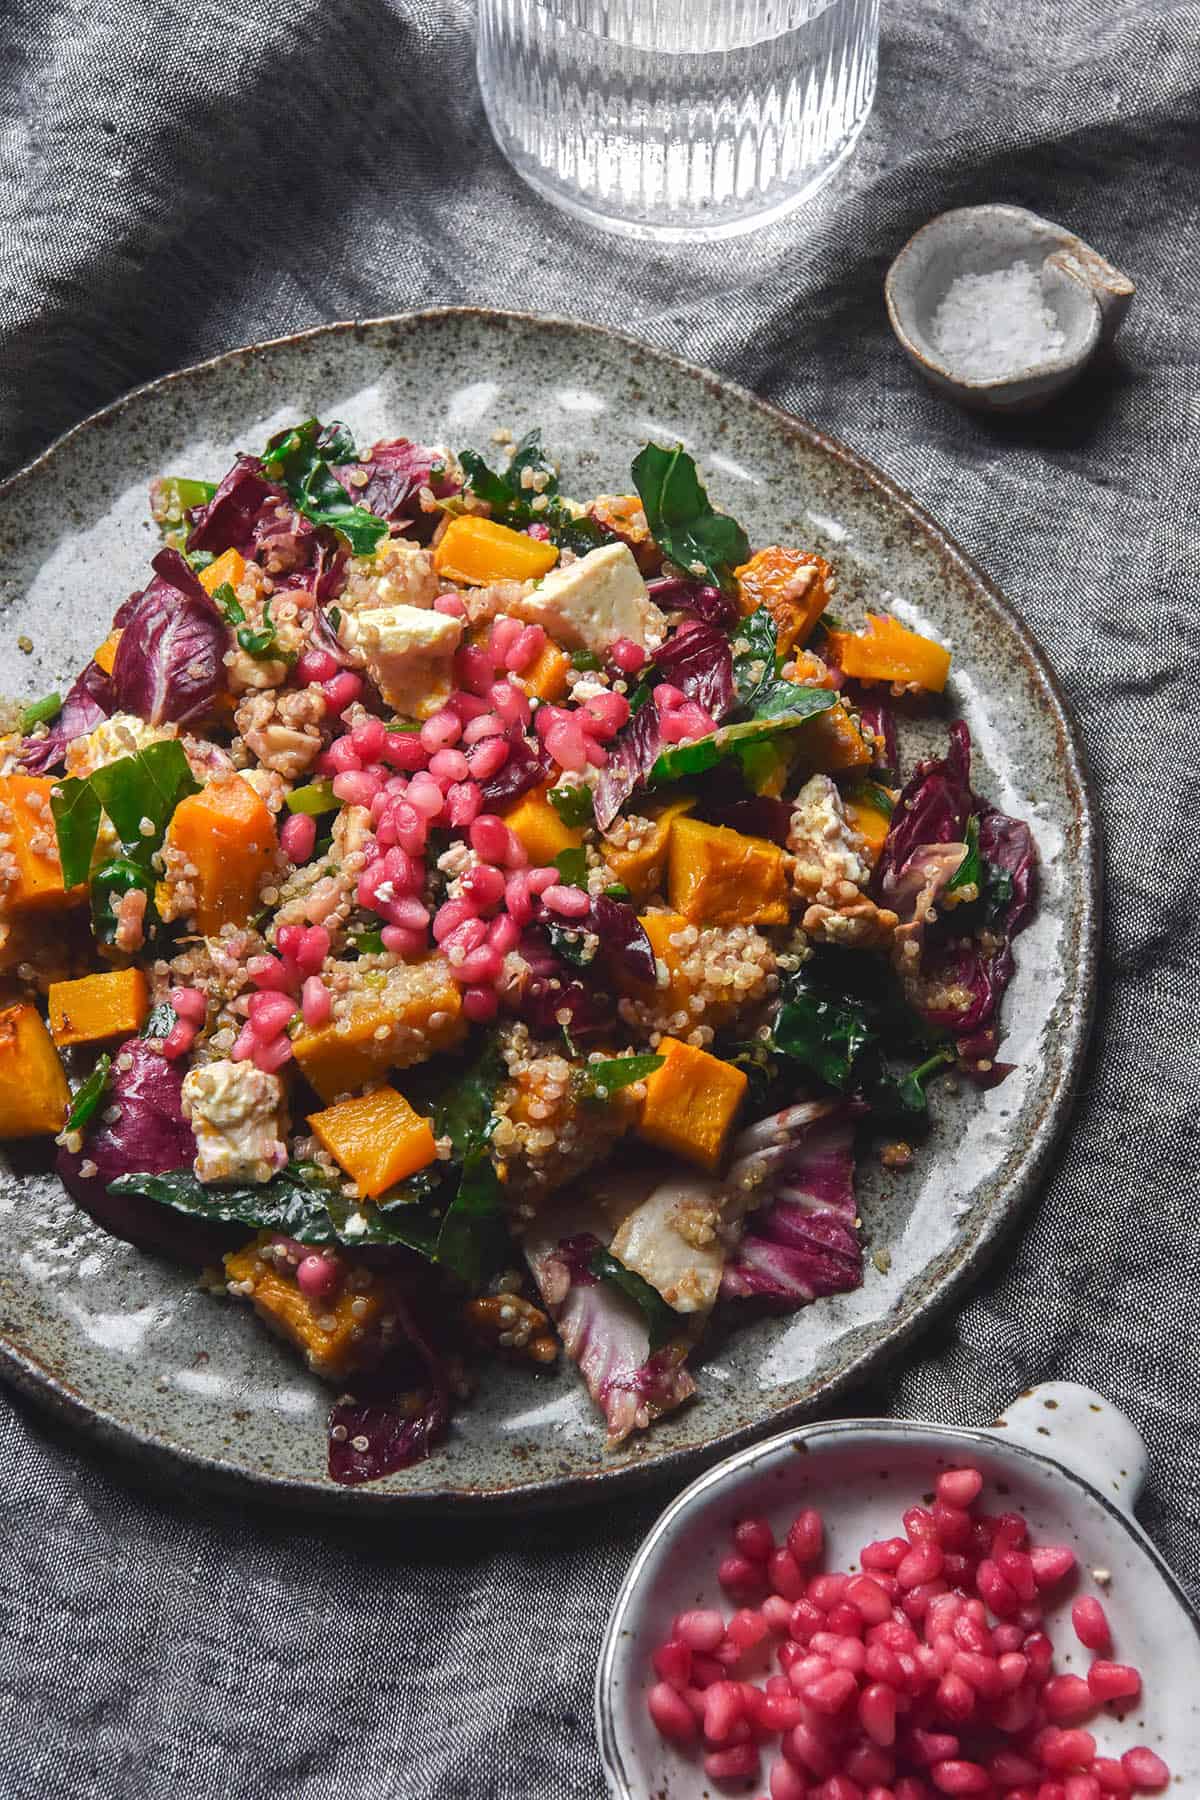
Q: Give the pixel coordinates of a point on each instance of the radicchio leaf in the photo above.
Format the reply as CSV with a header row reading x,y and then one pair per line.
x,y
528,766
552,988
803,1243
631,756
697,660
879,718
150,1135
227,522
623,939
604,1333
755,816
89,701
396,1434
169,663
674,594
932,809
395,472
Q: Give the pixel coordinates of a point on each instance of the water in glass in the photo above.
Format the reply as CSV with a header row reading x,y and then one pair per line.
x,y
677,118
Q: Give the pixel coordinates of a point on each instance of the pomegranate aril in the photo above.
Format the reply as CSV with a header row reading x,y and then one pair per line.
x,y
1017,1569
1067,1699
747,1628
1005,1639
1091,1624
886,1554
1008,1768
995,1589
983,1673
958,1777
1040,1654
1051,1790
1061,1751
830,1693
1013,1669
777,1612
911,1787
786,1783
882,1664
1111,1776
673,1664
920,1525
754,1539
739,1764
952,1526
700,1630
1113,1681
960,1487
785,1575
869,1765
724,1708
877,1713
806,1749
779,1712
1081,1787
706,1670
929,1747
1052,1563
1148,1773
671,1714
846,1620
868,1599
838,1787
741,1579
954,1699
825,1591
806,1536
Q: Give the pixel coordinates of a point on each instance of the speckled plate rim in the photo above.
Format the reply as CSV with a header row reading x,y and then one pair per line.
x,y
160,1457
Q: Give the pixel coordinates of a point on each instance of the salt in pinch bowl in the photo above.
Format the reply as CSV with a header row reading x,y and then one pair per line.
x,y
1061,1455
1083,297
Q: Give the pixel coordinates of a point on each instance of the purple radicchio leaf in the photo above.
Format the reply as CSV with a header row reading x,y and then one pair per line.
x,y
623,940
89,701
169,663
802,1243
697,660
150,1136
396,1433
933,808
604,1333
395,472
552,988
528,766
674,594
1009,846
286,543
631,756
880,719
228,521
756,815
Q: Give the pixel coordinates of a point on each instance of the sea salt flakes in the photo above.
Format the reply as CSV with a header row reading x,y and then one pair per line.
x,y
996,324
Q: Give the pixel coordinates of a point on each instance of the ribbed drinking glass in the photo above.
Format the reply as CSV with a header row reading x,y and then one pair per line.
x,y
677,118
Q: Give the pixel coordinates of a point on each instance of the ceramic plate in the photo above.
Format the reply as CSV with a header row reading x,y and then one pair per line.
x,y
125,1345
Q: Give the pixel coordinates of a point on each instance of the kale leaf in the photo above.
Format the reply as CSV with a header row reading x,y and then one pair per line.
x,y
302,458
682,522
662,1323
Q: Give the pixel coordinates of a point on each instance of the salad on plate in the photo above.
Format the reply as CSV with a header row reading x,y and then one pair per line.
x,y
463,922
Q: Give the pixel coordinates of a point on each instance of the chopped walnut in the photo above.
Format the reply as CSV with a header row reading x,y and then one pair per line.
x,y
283,729
854,924
508,1321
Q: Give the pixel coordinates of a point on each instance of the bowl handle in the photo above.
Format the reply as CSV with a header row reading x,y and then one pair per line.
x,y
1082,1430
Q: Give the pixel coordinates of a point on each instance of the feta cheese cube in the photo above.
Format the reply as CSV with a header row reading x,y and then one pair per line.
x,y
591,603
237,1114
408,652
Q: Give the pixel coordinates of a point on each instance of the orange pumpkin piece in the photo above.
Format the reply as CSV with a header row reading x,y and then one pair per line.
x,y
887,651
641,868
106,653
793,585
477,551
226,833
542,833
34,1095
412,1013
831,743
716,876
625,516
869,818
376,1138
546,679
336,1337
30,872
691,1103
229,567
98,1007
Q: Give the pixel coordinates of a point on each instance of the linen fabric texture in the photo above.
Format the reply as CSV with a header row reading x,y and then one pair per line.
x,y
178,180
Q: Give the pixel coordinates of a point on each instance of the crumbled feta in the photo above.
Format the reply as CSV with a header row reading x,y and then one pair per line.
x,y
828,851
110,741
592,602
237,1114
408,653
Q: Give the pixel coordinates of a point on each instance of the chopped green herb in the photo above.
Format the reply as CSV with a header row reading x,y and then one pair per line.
x,y
229,605
41,712
618,891
969,873
314,799
87,1098
596,1081
369,943
573,804
572,866
76,813
585,660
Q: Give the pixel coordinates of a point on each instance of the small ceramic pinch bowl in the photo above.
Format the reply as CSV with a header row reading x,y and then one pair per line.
x,y
1061,1455
1086,295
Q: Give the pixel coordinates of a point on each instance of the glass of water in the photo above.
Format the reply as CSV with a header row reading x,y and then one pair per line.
x,y
677,119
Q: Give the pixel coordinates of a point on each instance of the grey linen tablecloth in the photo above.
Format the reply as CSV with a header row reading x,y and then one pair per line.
x,y
174,181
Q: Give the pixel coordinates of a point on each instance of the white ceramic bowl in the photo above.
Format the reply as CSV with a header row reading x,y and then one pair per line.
x,y
1061,1455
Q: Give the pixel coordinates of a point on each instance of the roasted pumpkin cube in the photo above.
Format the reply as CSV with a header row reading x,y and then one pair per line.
x,y
642,859
546,678
888,651
625,516
106,653
411,1013
98,1007
542,833
34,1095
793,585
691,1103
229,567
870,817
337,1337
830,744
660,928
226,833
477,551
716,876
30,872
376,1138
